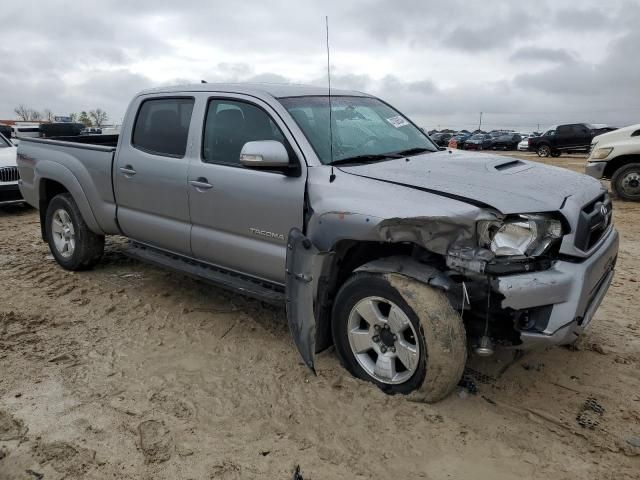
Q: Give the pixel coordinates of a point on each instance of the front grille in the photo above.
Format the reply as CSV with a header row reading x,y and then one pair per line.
x,y
9,174
594,220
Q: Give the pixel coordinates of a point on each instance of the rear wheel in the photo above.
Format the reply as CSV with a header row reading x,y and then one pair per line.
x,y
400,334
72,244
544,151
626,182
555,153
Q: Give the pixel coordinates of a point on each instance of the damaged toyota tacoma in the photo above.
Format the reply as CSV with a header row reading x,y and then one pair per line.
x,y
402,255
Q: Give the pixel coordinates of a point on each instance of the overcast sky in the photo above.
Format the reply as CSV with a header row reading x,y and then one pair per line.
x,y
441,63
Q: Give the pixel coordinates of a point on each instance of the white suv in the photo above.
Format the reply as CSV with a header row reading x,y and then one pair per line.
x,y
9,191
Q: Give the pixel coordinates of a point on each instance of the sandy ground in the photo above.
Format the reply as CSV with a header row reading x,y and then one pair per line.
x,y
129,371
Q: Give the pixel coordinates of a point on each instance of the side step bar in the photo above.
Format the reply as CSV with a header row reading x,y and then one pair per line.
x,y
236,282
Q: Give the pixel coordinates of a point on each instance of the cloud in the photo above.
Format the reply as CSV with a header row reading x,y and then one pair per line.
x,y
442,66
531,53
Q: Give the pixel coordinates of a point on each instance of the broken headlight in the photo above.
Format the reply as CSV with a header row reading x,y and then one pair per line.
x,y
522,235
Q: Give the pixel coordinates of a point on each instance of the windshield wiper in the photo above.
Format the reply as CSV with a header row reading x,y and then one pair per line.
x,y
366,158
412,151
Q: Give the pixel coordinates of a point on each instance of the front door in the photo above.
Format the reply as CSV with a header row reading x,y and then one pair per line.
x,y
150,175
241,216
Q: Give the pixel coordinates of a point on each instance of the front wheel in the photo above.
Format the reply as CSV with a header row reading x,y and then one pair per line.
x,y
72,244
400,334
626,182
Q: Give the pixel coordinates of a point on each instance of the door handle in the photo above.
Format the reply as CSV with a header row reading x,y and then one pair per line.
x,y
201,184
128,170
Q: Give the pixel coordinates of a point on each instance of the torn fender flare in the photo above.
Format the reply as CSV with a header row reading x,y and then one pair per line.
x,y
300,291
409,267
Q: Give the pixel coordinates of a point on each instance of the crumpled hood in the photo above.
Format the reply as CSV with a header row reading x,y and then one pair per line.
x,y
8,157
506,184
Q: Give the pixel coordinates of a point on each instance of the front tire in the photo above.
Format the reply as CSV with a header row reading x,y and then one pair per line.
x,y
72,244
400,334
626,182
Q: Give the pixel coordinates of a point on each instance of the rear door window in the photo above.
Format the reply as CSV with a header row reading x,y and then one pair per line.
x,y
162,126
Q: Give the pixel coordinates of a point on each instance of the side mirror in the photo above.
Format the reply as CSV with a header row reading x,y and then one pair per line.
x,y
264,154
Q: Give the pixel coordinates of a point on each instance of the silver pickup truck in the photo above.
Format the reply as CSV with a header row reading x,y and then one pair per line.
x,y
400,254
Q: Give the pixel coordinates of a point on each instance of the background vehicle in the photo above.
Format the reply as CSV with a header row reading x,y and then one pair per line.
x,y
523,145
575,137
506,142
5,130
441,139
479,141
91,131
459,140
61,129
616,156
372,242
25,131
9,190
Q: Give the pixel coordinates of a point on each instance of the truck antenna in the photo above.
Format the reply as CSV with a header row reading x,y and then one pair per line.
x,y
332,177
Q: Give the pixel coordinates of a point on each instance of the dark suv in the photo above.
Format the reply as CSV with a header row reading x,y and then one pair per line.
x,y
574,137
507,141
441,139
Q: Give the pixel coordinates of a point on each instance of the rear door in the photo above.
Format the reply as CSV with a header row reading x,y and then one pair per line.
x,y
150,175
581,135
241,216
564,137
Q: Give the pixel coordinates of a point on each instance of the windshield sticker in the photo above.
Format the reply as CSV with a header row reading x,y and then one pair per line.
x,y
398,121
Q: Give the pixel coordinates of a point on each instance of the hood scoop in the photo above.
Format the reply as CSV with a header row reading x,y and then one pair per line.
x,y
508,165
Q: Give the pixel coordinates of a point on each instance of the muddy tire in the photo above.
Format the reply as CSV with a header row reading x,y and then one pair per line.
x,y
625,182
72,244
419,345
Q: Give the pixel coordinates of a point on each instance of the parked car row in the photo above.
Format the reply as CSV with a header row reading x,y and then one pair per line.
x,y
498,140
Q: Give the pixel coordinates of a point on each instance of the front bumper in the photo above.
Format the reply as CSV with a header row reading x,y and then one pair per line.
x,y
573,290
595,169
10,193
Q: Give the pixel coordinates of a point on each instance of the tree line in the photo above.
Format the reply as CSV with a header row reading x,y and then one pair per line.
x,y
92,118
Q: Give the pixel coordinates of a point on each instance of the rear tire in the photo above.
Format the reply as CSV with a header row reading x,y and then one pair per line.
x,y
72,244
543,151
431,330
625,182
555,153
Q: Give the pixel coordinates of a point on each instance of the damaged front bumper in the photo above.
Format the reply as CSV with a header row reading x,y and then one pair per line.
x,y
570,290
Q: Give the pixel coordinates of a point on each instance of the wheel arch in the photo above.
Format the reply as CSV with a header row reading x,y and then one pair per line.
x,y
615,164
54,179
349,256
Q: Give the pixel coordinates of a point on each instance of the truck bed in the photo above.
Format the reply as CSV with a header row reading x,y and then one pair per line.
x,y
83,164
83,140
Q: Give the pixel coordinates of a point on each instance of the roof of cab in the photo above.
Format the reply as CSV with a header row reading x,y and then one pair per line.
x,y
275,90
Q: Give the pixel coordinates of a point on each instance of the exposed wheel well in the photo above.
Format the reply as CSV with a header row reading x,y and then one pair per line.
x,y
347,256
47,190
614,164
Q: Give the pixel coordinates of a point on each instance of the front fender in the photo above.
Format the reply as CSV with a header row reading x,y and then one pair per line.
x,y
300,288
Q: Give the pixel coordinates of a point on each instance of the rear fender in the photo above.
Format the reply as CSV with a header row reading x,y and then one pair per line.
x,y
47,170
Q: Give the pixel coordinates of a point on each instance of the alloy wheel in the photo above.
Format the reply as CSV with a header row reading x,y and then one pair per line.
x,y
383,340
